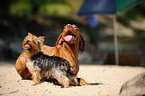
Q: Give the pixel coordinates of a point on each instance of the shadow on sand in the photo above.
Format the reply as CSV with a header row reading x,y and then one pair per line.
x,y
96,83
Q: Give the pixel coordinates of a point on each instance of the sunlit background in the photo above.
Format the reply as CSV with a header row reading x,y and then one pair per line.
x,y
48,17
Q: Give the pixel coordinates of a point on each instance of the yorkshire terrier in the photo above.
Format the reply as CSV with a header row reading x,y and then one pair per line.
x,y
43,66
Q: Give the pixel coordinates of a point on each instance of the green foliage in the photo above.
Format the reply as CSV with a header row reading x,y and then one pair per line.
x,y
21,7
136,12
50,1
55,10
46,7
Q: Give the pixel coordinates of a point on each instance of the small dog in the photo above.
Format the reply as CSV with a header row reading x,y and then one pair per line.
x,y
43,66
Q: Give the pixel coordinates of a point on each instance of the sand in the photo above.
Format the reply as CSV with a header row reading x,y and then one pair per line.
x,y
106,80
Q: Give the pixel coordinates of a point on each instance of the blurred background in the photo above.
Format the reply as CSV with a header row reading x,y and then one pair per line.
x,y
48,17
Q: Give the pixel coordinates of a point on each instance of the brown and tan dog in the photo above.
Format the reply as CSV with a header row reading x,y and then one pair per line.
x,y
67,46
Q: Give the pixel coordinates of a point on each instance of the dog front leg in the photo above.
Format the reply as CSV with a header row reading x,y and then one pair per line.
x,y
37,77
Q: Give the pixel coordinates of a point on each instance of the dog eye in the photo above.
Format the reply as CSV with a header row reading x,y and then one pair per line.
x,y
27,41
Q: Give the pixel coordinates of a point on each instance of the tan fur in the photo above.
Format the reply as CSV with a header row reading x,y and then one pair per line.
x,y
29,65
36,77
61,78
69,51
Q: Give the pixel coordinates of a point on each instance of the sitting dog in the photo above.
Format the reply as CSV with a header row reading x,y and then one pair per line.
x,y
67,46
44,66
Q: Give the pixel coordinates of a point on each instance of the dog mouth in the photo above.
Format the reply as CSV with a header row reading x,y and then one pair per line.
x,y
28,47
69,36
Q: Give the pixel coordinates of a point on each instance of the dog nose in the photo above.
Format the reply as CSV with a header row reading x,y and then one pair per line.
x,y
27,41
68,25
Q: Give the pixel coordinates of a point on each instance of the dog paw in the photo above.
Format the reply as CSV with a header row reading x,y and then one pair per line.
x,y
35,84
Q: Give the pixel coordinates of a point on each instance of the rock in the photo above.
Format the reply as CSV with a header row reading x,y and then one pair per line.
x,y
134,87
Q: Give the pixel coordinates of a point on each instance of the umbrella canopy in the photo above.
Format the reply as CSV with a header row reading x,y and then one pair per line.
x,y
90,7
124,4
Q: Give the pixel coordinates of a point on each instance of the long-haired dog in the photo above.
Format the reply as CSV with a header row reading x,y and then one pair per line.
x,y
44,66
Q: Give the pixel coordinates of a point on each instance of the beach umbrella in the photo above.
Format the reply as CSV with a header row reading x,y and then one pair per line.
x,y
91,7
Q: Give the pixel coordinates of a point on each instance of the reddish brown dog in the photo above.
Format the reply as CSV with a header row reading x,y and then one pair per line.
x,y
67,46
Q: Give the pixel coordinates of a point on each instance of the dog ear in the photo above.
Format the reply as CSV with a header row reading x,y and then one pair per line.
x,y
82,43
29,34
41,39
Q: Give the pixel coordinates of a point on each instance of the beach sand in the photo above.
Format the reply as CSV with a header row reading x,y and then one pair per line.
x,y
106,80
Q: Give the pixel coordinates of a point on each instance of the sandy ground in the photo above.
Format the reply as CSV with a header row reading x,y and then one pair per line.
x,y
106,79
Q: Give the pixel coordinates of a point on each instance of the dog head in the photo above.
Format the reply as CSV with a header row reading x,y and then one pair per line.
x,y
32,44
72,35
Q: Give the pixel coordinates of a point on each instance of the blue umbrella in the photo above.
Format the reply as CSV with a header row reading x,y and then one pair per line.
x,y
90,7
